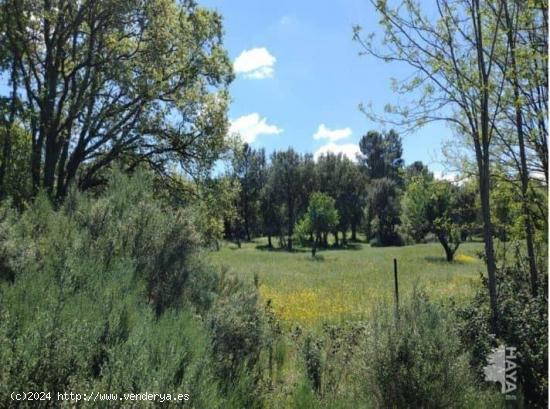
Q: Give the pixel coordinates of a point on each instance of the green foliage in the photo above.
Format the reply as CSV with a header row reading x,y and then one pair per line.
x,y
248,168
152,92
523,324
342,180
441,208
286,178
304,231
418,361
381,155
236,325
321,217
103,296
17,184
415,362
384,212
415,204
311,351
214,209
381,160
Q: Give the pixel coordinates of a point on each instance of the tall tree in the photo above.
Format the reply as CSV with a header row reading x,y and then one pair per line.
x,y
286,174
383,204
320,219
270,208
342,180
512,69
381,160
100,81
417,169
381,154
248,167
452,55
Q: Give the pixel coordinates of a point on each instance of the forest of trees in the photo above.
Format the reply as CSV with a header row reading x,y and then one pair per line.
x,y
375,195
113,131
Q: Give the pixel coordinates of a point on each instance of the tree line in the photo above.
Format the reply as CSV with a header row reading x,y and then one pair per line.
x,y
296,197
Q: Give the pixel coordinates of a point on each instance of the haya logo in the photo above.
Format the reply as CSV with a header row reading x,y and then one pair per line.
x,y
501,367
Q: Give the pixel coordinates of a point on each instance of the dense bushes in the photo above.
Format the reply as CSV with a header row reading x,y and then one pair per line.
x,y
111,294
523,324
103,294
415,362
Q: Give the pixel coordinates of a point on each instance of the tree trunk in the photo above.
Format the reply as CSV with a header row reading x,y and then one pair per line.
x,y
269,241
336,241
482,156
449,252
353,232
61,170
524,174
290,225
489,247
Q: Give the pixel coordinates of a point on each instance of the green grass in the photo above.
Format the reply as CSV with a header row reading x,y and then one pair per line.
x,y
342,284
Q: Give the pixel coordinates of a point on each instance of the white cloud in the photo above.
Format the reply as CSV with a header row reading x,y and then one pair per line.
x,y
348,149
251,125
256,63
331,134
441,175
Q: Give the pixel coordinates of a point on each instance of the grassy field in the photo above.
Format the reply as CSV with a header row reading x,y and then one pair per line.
x,y
343,284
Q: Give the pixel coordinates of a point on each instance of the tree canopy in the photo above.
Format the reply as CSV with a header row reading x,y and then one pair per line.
x,y
94,82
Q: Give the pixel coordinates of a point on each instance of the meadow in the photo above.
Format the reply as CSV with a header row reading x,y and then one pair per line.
x,y
347,283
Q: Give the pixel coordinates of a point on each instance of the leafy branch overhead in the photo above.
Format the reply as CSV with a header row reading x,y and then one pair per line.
x,y
99,81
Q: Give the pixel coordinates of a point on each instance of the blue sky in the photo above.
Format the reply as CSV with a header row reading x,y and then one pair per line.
x,y
300,69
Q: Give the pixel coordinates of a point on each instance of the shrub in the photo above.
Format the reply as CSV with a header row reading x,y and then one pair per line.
x,y
417,361
523,324
237,332
103,296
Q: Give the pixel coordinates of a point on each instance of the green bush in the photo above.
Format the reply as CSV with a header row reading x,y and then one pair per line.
x,y
104,293
237,328
523,324
417,361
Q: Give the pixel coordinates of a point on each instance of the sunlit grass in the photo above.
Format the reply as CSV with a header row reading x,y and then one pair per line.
x,y
344,284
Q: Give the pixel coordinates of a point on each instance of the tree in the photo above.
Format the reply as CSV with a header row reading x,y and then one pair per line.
x,y
321,218
286,177
214,207
381,154
452,55
270,209
248,167
510,19
17,183
415,204
140,82
352,199
438,207
383,202
342,180
382,163
415,169
310,179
